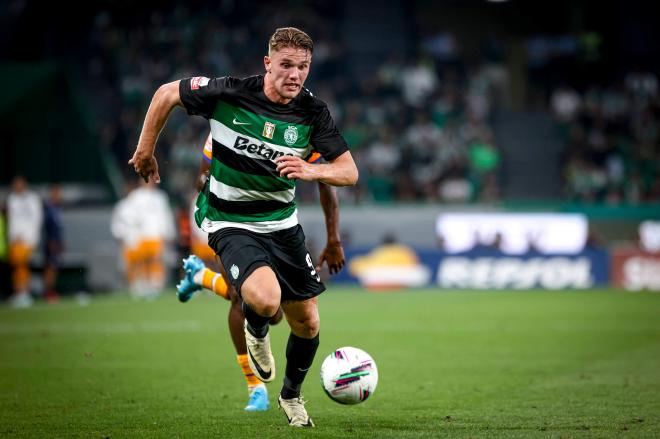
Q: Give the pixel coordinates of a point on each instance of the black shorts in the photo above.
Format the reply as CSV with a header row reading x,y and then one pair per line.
x,y
242,251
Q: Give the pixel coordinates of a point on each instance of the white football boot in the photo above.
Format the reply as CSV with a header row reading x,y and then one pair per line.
x,y
260,356
295,412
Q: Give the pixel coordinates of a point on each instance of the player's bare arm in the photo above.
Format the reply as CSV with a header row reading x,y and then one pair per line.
x,y
143,160
338,172
333,253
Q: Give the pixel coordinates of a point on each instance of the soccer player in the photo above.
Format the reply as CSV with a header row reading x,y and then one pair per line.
x,y
262,127
25,218
143,221
198,276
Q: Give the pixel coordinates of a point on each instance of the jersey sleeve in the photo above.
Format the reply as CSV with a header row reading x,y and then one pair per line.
x,y
207,152
325,138
200,95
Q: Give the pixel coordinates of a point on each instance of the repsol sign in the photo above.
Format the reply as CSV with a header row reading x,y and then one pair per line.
x,y
552,273
260,151
634,269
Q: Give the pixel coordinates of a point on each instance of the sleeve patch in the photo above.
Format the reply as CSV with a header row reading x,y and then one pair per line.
x,y
198,81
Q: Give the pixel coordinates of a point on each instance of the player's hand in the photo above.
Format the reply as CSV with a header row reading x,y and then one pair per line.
x,y
333,255
145,166
294,167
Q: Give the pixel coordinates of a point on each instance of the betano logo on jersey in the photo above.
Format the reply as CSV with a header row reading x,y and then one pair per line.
x,y
269,130
260,151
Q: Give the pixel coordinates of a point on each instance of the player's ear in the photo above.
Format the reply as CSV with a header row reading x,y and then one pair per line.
x,y
267,63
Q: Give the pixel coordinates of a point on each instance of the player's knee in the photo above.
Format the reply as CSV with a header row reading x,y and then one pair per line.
x,y
266,307
272,308
268,301
262,292
309,327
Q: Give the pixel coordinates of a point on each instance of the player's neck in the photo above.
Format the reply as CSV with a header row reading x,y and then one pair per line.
x,y
272,94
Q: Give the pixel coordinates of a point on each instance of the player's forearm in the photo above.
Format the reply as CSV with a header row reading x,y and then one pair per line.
x,y
162,104
330,205
340,172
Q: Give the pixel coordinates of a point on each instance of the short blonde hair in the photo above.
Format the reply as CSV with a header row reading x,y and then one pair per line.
x,y
290,37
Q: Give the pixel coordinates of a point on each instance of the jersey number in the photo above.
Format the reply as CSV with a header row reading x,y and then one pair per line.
x,y
313,272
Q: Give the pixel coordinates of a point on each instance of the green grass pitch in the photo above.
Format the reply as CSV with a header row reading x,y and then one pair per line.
x,y
452,364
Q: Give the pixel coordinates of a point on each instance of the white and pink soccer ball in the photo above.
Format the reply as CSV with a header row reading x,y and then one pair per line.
x,y
349,375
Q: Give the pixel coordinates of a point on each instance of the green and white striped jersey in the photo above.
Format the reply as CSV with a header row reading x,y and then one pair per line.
x,y
249,132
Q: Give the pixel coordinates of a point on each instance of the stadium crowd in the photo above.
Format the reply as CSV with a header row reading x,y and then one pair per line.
x,y
417,135
612,140
419,122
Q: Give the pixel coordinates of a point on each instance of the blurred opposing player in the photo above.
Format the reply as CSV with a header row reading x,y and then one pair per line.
x,y
198,276
25,218
53,241
263,127
198,238
143,222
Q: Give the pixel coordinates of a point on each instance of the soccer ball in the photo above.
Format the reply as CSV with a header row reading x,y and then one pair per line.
x,y
349,375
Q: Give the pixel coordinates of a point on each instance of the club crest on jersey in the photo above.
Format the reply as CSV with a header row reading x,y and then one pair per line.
x,y
234,271
198,81
291,135
269,130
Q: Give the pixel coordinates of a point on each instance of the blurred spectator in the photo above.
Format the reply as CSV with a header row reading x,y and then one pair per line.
x,y
389,74
484,158
484,162
477,99
641,85
455,186
565,103
423,135
25,217
383,157
418,81
53,242
354,130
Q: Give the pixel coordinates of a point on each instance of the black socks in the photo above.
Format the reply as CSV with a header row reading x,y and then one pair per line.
x,y
300,354
256,324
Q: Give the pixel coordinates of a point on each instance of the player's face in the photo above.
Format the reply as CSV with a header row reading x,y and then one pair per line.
x,y
286,71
